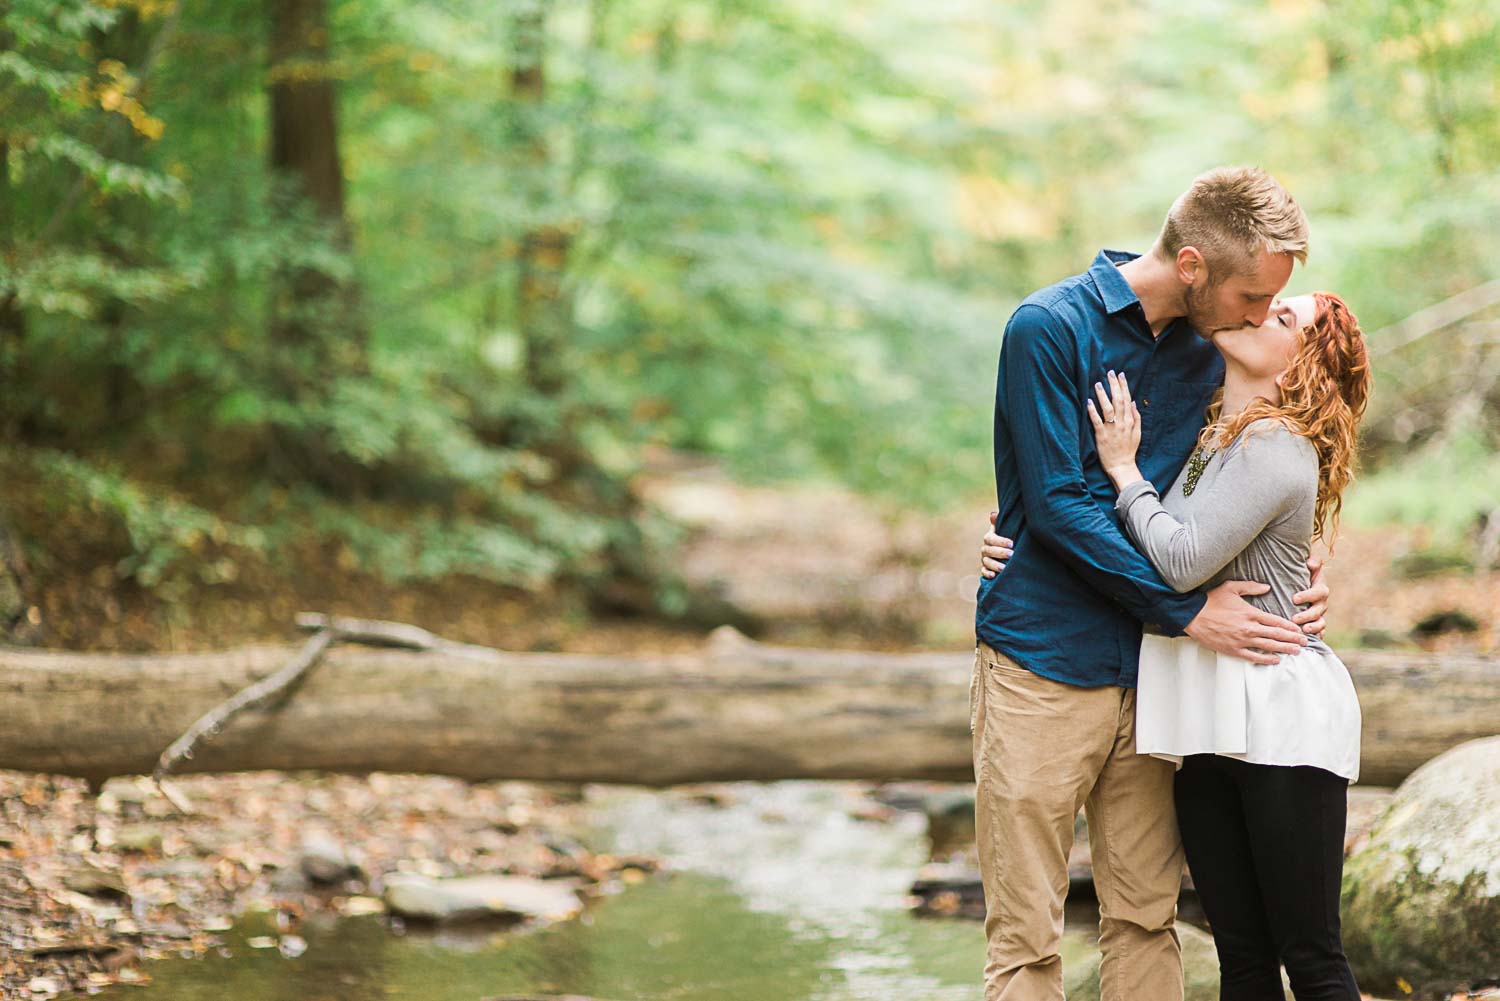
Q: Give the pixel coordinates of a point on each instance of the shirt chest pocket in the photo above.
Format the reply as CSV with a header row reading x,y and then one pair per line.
x,y
1172,411
1175,402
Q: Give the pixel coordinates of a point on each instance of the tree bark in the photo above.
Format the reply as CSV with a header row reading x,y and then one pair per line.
x,y
20,618
543,312
14,419
316,323
304,127
738,710
118,235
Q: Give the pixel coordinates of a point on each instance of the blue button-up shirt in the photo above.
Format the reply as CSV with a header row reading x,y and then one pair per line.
x,y
1071,601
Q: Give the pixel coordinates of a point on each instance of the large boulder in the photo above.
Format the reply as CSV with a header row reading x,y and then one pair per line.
x,y
1421,894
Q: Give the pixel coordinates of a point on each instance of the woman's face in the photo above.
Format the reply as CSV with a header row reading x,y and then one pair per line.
x,y
1265,351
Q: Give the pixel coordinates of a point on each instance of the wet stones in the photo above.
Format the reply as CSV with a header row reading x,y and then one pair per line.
x,y
507,898
324,861
93,881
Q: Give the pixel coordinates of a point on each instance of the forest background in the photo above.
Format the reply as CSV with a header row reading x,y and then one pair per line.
x,y
326,303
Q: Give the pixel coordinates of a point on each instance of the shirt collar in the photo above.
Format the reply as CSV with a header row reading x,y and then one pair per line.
x,y
1113,287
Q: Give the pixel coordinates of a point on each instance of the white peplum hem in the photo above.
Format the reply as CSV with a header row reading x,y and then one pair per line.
x,y
1301,710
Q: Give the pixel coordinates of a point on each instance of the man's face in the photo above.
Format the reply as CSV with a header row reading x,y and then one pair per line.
x,y
1237,300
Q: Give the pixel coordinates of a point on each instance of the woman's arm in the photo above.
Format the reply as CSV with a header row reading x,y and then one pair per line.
x,y
1253,486
1263,475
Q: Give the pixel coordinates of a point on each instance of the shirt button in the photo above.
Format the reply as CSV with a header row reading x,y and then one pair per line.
x,y
1145,403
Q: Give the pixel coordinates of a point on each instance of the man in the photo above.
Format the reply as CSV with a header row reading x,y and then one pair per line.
x,y
1058,632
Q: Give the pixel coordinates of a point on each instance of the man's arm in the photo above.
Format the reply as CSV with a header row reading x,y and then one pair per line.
x,y
995,551
1227,623
1046,422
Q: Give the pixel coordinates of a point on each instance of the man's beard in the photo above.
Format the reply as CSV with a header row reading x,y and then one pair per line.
x,y
1200,311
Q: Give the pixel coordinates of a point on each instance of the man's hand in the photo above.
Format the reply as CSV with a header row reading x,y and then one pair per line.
x,y
994,550
1316,600
1231,625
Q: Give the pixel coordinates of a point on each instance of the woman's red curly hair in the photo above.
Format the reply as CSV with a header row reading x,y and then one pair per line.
x,y
1324,392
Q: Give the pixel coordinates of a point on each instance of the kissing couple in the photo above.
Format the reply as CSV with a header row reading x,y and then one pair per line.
x,y
1171,436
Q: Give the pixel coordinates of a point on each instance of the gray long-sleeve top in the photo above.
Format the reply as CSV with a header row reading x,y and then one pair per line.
x,y
1250,517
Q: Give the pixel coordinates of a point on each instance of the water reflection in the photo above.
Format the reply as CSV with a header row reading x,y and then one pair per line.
x,y
685,936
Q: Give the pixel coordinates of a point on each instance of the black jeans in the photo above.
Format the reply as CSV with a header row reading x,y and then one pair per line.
x,y
1265,844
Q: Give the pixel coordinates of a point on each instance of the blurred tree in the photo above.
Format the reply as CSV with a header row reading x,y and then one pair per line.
x,y
317,335
414,287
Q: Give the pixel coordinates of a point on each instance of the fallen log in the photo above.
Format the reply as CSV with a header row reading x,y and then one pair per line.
x,y
737,710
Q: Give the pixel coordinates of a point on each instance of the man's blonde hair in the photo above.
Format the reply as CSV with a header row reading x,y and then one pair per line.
x,y
1230,214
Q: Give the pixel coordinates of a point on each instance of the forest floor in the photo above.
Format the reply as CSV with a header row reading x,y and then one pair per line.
x,y
822,566
91,886
87,887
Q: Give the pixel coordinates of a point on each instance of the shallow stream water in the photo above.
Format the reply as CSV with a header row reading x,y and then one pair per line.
x,y
779,895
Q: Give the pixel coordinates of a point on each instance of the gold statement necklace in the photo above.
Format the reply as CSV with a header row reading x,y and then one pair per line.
x,y
1196,465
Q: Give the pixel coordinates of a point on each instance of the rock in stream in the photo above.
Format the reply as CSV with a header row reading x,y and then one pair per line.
x,y
1421,896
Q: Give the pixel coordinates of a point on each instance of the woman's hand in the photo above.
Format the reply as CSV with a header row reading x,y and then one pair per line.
x,y
1118,431
994,550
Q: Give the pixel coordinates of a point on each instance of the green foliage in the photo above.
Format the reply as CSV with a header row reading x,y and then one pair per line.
x,y
1445,487
168,538
786,233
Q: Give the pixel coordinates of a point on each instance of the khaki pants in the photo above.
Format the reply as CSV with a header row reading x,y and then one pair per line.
x,y
1042,750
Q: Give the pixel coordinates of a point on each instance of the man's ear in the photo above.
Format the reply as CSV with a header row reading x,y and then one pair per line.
x,y
1191,266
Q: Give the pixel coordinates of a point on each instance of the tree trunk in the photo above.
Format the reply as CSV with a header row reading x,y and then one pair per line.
x,y
625,577
20,619
105,414
20,616
12,320
315,321
543,313
738,710
15,421
304,132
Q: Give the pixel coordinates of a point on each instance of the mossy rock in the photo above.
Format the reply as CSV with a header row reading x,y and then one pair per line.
x,y
1421,898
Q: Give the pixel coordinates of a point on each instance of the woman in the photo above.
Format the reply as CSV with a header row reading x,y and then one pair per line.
x,y
1265,752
